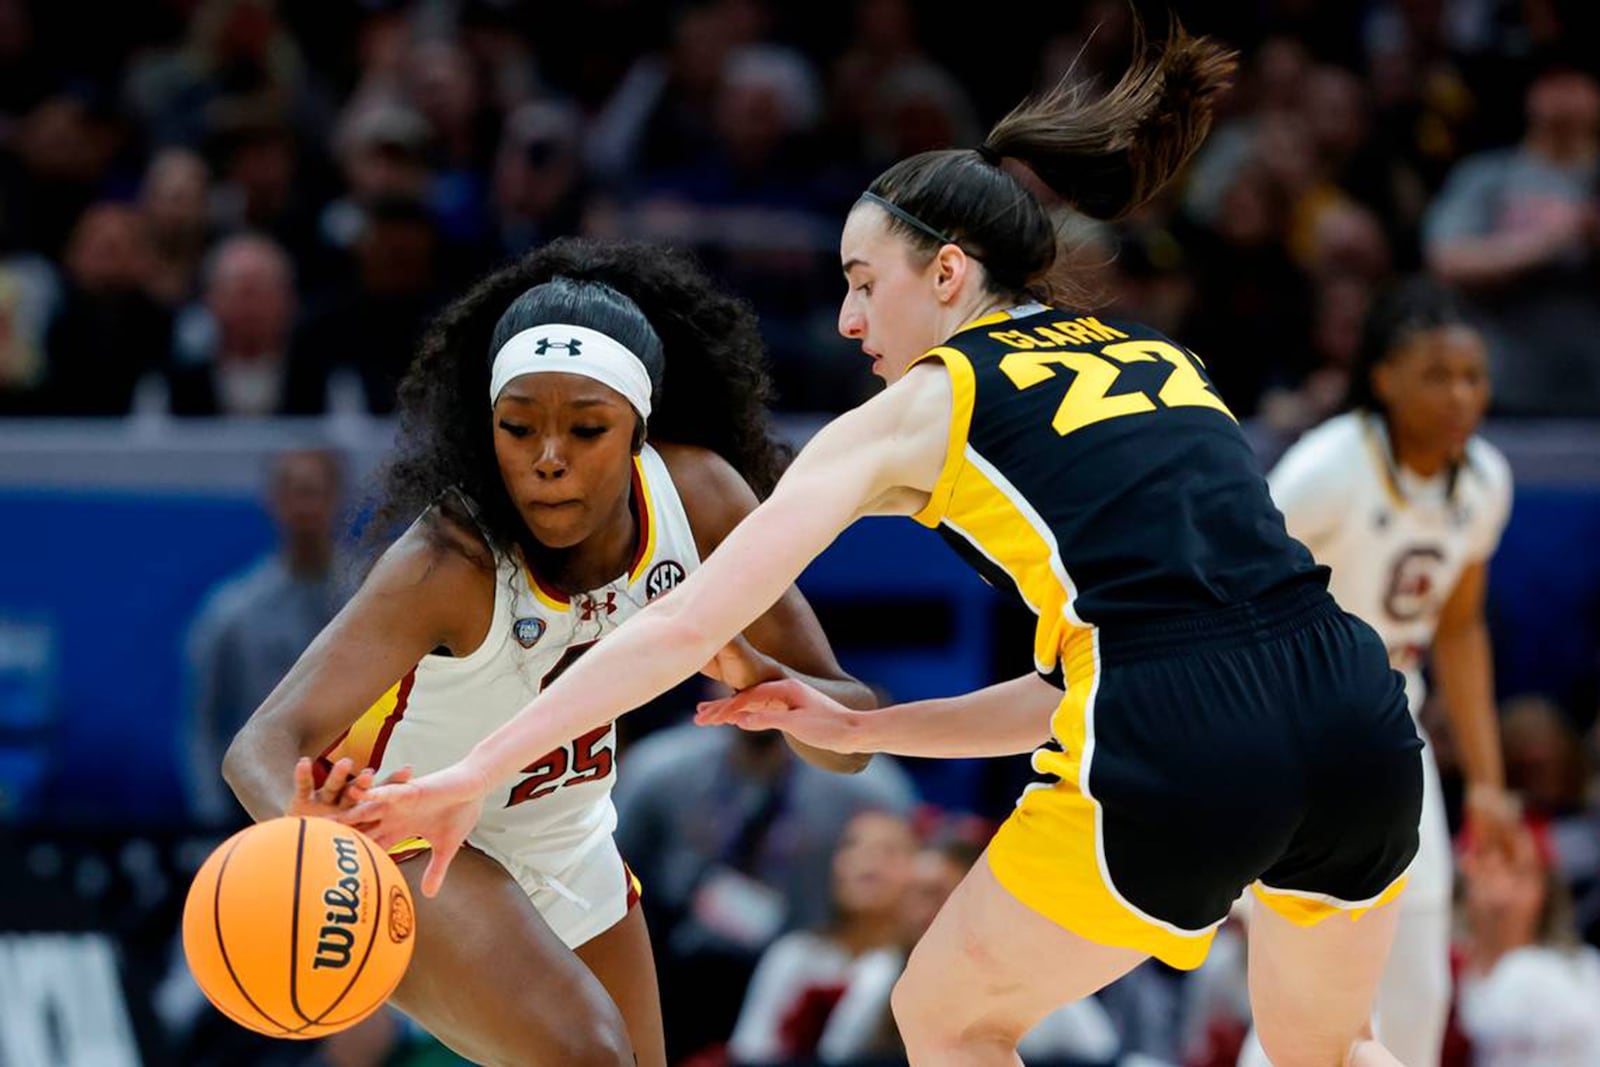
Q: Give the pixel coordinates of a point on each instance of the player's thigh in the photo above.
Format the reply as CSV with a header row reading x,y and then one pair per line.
x,y
490,979
1312,987
990,966
622,960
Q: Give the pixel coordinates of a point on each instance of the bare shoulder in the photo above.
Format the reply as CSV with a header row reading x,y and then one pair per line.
x,y
715,496
437,554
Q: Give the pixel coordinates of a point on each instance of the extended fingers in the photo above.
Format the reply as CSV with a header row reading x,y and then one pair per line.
x,y
400,777
338,778
304,781
438,865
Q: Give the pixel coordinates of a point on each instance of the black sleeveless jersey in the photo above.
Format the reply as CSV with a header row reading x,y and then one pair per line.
x,y
1093,469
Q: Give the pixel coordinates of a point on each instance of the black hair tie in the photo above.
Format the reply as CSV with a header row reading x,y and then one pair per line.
x,y
988,154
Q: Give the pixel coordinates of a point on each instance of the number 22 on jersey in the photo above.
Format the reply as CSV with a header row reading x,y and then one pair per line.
x,y
1095,373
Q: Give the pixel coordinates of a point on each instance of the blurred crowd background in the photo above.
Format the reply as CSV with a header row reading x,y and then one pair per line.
x,y
223,223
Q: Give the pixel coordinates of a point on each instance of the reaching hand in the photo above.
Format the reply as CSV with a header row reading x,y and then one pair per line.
x,y
1494,819
740,665
341,790
442,808
793,707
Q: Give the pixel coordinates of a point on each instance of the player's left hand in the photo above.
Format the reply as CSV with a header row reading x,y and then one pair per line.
x,y
442,807
740,665
1493,818
810,717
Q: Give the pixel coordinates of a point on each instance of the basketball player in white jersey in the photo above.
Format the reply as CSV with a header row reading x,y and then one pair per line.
x,y
543,520
1406,506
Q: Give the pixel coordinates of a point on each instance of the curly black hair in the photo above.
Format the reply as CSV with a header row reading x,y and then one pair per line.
x,y
713,393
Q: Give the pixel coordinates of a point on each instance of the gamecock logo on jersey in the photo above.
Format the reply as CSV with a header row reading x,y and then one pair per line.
x,y
1411,584
662,577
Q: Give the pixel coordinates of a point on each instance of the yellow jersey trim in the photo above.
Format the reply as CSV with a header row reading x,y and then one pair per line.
x,y
1309,909
545,597
1049,854
647,517
964,392
988,513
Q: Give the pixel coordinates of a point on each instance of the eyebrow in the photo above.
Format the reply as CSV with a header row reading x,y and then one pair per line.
x,y
580,402
850,264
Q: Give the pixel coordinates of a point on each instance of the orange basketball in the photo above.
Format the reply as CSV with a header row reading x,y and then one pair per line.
x,y
298,927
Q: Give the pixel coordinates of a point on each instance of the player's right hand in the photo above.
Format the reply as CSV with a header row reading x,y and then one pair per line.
x,y
795,708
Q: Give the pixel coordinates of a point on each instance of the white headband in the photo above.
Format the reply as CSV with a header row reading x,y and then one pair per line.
x,y
556,347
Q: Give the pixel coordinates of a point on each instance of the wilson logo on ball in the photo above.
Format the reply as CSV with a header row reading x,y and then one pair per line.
x,y
344,908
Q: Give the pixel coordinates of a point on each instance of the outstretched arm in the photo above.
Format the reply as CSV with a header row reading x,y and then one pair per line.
x,y
786,641
1002,720
883,457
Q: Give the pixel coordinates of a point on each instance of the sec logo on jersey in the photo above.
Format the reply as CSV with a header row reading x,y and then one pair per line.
x,y
662,577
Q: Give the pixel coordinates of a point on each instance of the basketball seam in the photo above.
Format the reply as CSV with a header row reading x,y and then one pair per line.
x,y
222,945
294,927
377,917
242,1021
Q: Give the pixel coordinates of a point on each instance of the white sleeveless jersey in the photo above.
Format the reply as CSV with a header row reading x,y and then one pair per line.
x,y
558,807
1397,543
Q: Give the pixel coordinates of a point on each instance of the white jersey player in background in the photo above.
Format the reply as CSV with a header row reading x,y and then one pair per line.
x,y
542,520
1406,506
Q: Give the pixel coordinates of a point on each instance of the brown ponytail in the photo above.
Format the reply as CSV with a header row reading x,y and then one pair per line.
x,y
1107,155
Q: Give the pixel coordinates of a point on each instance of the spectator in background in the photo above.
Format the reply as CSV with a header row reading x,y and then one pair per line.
x,y
24,68
237,54
733,836
917,107
885,39
753,209
862,1027
1275,85
30,290
264,182
1544,758
63,150
1517,229
382,152
231,350
108,332
174,203
539,189
819,993
446,87
1529,990
374,326
1252,303
254,625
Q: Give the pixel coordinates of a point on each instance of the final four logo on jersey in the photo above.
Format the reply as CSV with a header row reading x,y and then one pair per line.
x,y
528,631
662,577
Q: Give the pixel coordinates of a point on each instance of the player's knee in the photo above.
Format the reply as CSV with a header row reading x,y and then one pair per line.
x,y
914,1004
931,1022
593,1043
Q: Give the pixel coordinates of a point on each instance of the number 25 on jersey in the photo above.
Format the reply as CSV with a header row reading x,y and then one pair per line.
x,y
1095,373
